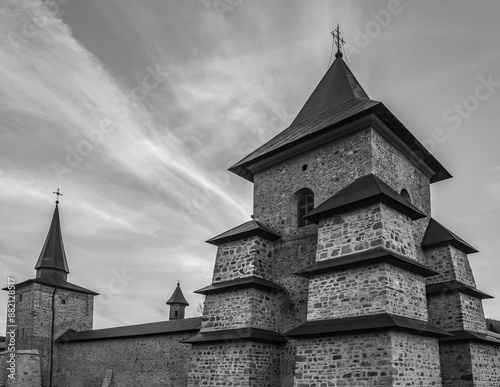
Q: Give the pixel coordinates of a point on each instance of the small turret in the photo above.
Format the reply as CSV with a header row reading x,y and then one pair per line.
x,y
177,304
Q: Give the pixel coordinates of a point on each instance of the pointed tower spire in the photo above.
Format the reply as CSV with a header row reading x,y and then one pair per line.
x,y
177,304
52,263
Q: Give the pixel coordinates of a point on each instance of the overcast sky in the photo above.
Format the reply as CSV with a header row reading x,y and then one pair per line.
x,y
135,110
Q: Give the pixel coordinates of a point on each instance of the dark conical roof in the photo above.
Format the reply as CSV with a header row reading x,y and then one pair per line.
x,y
53,255
338,96
177,297
337,100
337,87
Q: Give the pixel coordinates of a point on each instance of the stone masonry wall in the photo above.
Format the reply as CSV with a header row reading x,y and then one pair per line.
x,y
470,364
243,258
34,317
367,290
396,170
235,364
368,360
329,169
290,256
27,369
485,364
364,229
451,263
456,364
239,309
159,360
453,311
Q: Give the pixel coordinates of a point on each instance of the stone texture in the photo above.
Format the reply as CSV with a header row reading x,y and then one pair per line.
x,y
136,361
456,311
368,360
470,364
291,254
243,258
485,364
239,308
235,364
366,290
34,318
330,168
27,367
456,365
364,229
399,172
451,264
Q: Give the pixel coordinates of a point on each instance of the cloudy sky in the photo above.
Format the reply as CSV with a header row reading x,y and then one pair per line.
x,y
135,110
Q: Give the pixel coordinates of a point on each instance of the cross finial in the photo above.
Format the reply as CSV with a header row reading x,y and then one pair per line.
x,y
339,41
58,194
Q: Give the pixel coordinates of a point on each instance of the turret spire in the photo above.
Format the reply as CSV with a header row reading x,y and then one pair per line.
x,y
177,303
52,263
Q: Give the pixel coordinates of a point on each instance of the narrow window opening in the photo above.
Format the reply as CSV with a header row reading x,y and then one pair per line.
x,y
176,313
304,167
305,205
63,301
405,194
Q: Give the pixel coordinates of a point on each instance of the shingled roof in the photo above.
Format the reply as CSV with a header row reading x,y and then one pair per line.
x,y
437,235
338,99
56,283
365,190
177,297
53,255
244,230
156,328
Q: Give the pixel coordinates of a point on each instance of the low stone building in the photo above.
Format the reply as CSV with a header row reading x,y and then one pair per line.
x,y
341,277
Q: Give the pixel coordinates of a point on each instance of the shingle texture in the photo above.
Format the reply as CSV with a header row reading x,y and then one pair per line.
x,y
160,327
53,255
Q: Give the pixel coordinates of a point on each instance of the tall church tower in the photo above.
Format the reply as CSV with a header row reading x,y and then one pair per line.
x,y
48,305
332,282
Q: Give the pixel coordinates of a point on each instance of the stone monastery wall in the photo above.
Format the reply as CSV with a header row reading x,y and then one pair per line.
x,y
159,360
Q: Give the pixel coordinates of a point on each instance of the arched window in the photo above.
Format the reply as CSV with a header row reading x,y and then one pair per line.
x,y
305,205
405,194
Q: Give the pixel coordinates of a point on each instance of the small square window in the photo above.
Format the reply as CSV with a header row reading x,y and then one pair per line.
x,y
63,301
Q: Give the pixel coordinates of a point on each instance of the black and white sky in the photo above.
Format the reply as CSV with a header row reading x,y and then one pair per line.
x,y
135,110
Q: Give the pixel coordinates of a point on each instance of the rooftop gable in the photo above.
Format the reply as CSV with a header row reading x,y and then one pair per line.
x,y
437,235
365,190
250,228
337,100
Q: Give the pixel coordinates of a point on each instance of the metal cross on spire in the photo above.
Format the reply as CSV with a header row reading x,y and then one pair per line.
x,y
339,41
58,194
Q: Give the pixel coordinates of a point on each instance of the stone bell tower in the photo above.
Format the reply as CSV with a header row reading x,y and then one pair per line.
x,y
342,278
48,305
